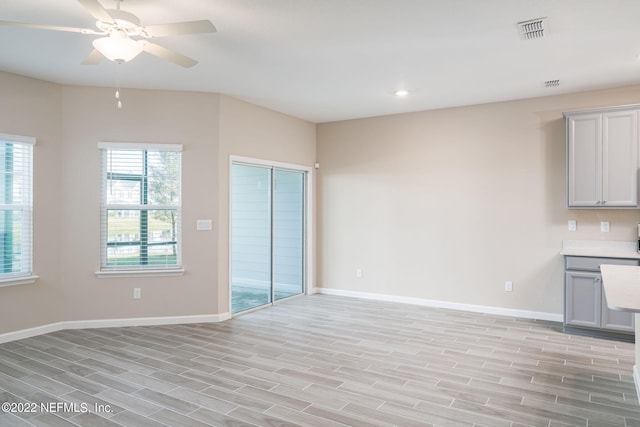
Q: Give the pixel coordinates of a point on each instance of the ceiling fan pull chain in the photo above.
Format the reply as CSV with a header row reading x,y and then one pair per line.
x,y
118,103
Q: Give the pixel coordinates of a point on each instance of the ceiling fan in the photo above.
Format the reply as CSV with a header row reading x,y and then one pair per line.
x,y
123,36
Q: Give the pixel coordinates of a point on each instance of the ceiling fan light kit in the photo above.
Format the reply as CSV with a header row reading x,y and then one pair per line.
x,y
118,48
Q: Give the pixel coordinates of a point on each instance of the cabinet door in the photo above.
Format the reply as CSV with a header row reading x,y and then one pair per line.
x,y
620,158
584,153
583,299
616,320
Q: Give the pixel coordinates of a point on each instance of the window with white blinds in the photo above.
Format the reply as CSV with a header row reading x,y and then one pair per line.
x,y
141,206
16,208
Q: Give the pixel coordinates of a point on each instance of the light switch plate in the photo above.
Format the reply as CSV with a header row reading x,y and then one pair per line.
x,y
572,225
204,225
604,226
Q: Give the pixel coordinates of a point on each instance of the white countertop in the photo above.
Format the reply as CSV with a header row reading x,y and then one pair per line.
x,y
621,286
601,248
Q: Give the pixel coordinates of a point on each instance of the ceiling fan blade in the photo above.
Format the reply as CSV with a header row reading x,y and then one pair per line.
x,y
179,28
49,27
94,58
96,9
168,54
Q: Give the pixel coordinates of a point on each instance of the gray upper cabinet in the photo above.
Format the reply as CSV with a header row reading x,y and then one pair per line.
x,y
602,158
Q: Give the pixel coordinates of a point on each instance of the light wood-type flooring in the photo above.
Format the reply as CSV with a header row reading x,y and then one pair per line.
x,y
322,361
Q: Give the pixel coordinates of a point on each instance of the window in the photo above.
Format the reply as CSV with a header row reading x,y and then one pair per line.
x,y
16,209
141,207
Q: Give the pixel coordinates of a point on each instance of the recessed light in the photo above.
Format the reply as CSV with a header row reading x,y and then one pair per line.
x,y
402,93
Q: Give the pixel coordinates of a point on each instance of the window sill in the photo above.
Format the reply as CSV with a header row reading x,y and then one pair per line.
x,y
107,274
21,280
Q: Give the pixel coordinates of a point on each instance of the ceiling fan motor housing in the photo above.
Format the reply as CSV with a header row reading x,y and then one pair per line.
x,y
122,21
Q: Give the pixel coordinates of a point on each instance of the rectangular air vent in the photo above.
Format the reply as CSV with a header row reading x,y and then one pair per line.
x,y
532,29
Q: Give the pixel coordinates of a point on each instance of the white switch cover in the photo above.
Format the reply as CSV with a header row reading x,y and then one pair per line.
x,y
204,225
572,225
359,273
604,226
137,293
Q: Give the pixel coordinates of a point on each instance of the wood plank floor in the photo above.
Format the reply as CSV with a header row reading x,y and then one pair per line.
x,y
322,361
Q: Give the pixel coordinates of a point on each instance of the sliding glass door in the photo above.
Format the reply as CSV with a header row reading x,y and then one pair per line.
x,y
288,233
250,237
267,235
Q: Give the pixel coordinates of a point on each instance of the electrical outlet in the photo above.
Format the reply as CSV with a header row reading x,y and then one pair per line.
x,y
359,273
572,225
508,286
604,226
137,293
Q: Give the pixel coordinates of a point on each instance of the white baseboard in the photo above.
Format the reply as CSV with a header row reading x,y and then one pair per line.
x,y
215,318
112,323
145,321
443,304
30,332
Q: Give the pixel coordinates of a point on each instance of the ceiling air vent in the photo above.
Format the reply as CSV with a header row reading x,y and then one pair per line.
x,y
532,29
552,83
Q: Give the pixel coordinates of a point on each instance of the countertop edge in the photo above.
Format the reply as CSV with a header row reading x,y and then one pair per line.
x,y
601,254
600,249
621,285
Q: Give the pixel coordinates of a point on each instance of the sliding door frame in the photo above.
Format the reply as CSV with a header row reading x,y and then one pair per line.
x,y
308,235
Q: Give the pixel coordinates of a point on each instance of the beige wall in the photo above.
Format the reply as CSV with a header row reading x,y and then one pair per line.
x,y
68,122
447,205
90,115
32,108
255,132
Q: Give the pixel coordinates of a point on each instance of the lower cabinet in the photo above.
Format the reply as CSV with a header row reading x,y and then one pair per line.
x,y
585,301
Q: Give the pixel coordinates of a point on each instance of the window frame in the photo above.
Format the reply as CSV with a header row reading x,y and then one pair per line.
x,y
25,275
143,207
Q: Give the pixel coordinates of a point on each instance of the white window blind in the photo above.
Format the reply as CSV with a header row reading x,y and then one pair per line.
x,y
16,207
141,206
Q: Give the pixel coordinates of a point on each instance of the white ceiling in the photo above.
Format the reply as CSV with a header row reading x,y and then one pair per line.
x,y
327,60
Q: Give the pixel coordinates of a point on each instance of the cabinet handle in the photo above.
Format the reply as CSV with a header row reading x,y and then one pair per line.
x,y
598,279
598,202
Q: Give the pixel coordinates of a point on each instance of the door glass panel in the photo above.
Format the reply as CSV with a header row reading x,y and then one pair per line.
x,y
288,233
250,237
